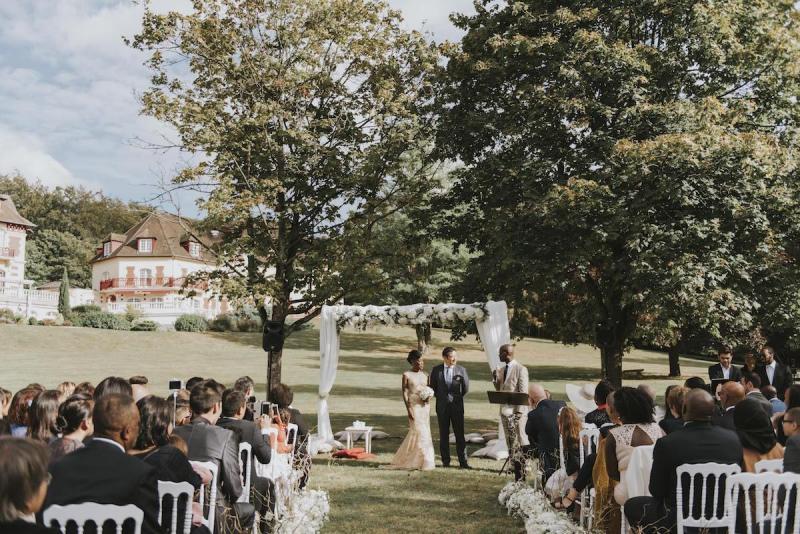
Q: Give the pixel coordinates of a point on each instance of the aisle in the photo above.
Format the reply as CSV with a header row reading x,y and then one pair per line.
x,y
365,498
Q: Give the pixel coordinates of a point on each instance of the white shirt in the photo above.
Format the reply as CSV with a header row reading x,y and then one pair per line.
x,y
771,372
448,374
507,371
726,372
111,441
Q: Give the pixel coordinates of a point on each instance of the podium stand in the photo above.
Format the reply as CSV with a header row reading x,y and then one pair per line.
x,y
509,399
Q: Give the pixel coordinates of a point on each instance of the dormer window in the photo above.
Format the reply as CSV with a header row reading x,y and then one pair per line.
x,y
107,248
145,245
194,249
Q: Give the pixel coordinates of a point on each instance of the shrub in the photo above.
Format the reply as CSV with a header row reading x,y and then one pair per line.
x,y
104,320
33,321
235,323
132,313
86,308
191,323
9,317
144,326
48,322
223,323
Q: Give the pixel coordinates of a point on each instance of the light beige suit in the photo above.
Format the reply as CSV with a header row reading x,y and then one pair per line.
x,y
514,378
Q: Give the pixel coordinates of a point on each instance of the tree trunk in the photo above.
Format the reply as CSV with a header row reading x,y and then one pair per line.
x,y
274,372
674,361
423,337
611,359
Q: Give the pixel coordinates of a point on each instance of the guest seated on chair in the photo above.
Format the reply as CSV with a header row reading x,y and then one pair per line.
x,y
42,415
74,423
638,428
792,398
113,385
23,485
755,432
19,412
284,396
697,442
599,416
752,390
542,429
101,471
675,404
791,454
778,406
730,394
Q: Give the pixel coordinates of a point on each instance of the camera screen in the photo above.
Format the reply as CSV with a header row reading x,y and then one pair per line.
x,y
265,408
175,384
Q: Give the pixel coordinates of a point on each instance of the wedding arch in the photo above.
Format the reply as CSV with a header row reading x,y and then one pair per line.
x,y
491,320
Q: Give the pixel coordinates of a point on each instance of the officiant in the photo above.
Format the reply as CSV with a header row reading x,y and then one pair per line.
x,y
512,377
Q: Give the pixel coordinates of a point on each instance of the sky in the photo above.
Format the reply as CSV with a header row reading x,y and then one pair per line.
x,y
68,92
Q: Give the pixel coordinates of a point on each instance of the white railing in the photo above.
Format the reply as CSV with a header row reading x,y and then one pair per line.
x,y
152,308
20,294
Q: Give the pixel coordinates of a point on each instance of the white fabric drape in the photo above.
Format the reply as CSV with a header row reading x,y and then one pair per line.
x,y
328,362
494,332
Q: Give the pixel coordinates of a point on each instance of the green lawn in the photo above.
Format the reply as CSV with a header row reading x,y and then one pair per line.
x,y
363,496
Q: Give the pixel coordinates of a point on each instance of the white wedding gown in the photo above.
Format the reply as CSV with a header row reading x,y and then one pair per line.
x,y
416,451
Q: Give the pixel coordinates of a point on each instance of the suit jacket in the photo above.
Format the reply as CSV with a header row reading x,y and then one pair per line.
x,y
765,404
724,419
782,380
697,442
513,378
458,388
542,426
715,372
209,443
101,472
23,527
248,432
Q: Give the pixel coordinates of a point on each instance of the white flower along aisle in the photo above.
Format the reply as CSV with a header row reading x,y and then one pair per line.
x,y
531,505
491,320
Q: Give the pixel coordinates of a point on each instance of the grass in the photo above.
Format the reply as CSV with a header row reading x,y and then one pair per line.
x,y
364,497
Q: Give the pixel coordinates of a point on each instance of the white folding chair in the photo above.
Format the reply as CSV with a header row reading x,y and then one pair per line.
x,y
92,512
175,490
591,436
773,466
708,473
208,520
773,493
291,438
246,468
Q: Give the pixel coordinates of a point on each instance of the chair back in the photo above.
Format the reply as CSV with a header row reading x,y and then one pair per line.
x,y
175,490
637,475
587,443
92,512
713,477
774,466
291,436
210,516
246,467
770,501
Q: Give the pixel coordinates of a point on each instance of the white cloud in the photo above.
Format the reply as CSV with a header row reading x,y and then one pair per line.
x,y
24,153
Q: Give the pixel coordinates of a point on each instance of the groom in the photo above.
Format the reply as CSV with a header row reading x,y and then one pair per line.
x,y
450,383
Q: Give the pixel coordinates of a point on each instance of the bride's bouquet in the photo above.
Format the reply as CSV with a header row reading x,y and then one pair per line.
x,y
425,394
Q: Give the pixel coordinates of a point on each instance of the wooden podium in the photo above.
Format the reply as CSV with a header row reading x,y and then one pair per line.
x,y
508,398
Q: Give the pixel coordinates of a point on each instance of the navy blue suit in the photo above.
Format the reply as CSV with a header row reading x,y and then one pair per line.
x,y
450,409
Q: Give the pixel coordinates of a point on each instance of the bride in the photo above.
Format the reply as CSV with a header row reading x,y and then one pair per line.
x,y
416,451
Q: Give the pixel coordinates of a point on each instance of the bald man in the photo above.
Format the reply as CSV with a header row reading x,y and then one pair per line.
x,y
730,394
542,429
101,471
697,442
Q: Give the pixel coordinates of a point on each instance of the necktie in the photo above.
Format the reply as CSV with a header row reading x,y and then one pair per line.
x,y
448,377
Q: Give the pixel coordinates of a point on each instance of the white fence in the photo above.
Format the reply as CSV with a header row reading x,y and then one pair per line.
x,y
164,313
37,303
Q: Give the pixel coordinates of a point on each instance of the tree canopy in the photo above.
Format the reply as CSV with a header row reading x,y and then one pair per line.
x,y
624,161
305,114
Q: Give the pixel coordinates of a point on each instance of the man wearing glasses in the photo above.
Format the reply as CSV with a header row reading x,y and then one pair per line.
x,y
791,427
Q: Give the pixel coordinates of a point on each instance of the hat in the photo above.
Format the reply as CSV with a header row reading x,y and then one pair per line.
x,y
582,397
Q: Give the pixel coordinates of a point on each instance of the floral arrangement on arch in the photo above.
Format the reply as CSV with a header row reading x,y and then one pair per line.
x,y
366,316
531,505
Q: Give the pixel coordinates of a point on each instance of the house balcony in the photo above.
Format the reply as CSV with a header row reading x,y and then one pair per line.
x,y
148,284
8,252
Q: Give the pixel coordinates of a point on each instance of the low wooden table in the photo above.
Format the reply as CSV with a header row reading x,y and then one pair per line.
x,y
366,430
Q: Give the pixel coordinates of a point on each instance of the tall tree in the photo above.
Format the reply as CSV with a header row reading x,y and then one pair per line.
x,y
305,113
621,154
63,295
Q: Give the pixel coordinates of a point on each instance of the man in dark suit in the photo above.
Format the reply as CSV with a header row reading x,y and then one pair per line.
x,y
774,373
542,429
725,368
450,384
730,394
102,472
234,405
210,443
697,442
752,389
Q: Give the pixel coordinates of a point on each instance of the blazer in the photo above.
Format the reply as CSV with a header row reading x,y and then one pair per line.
x,y
248,432
513,378
542,426
715,372
782,380
724,419
209,443
23,527
697,442
765,404
791,455
101,472
458,389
